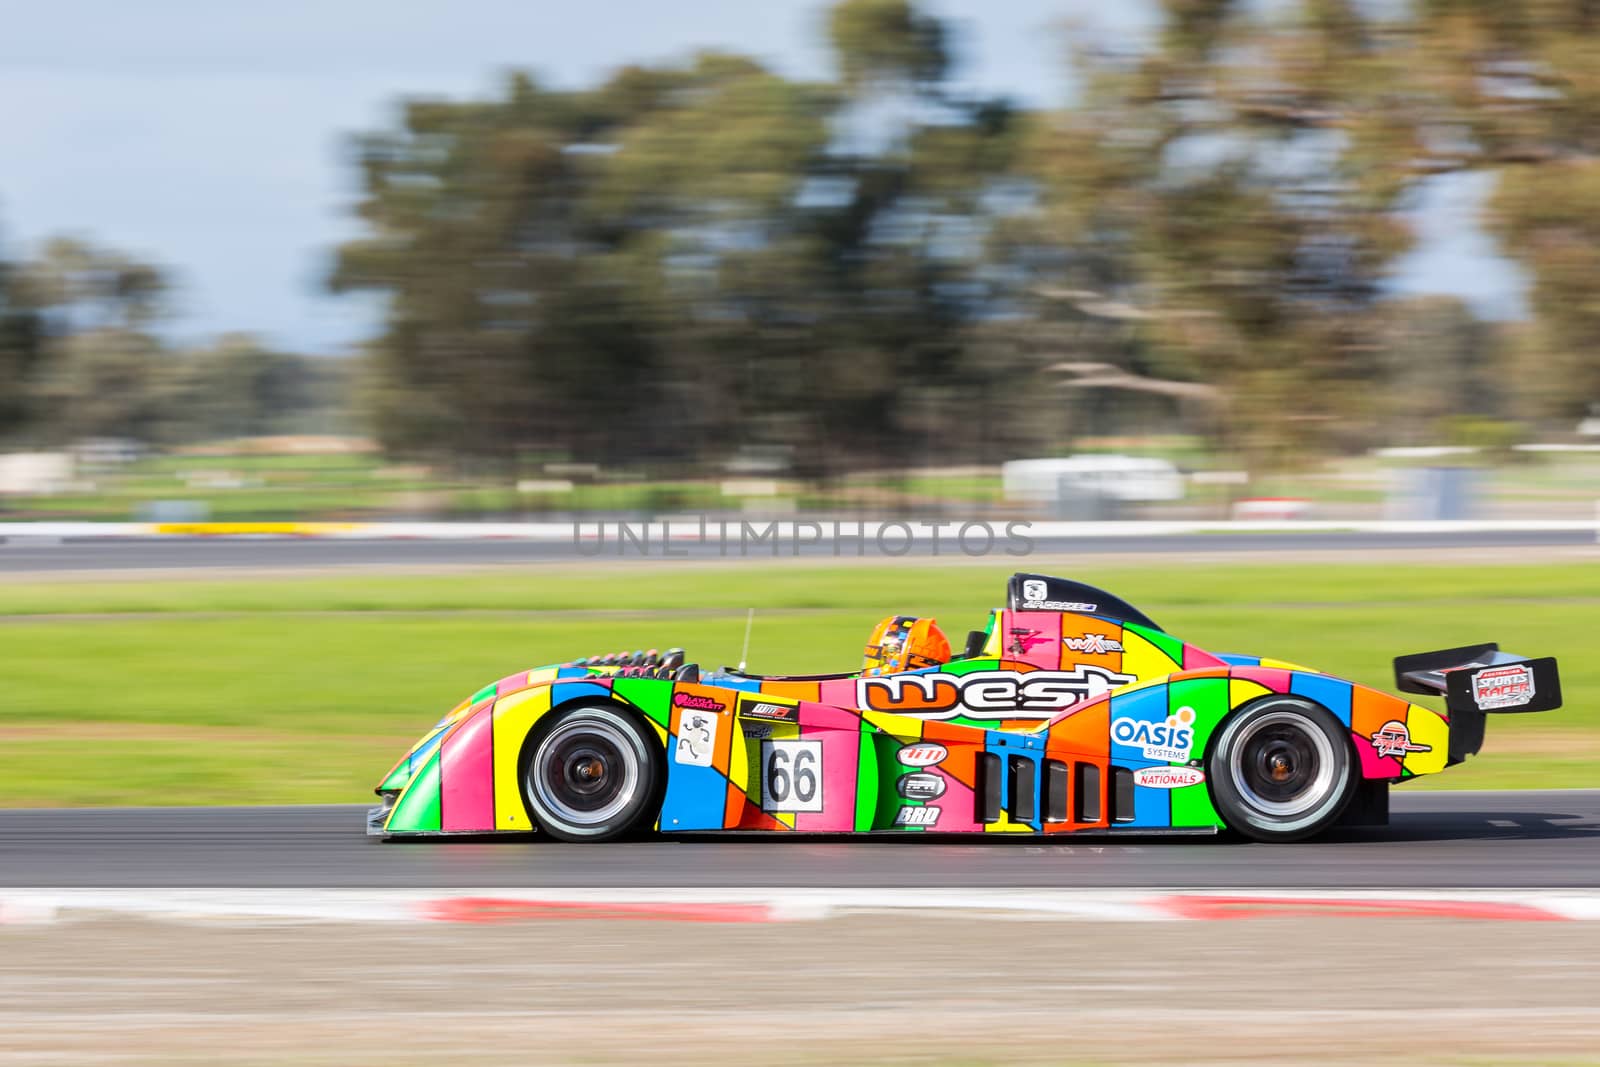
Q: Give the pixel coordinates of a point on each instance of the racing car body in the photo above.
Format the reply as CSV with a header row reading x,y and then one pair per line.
x,y
1070,711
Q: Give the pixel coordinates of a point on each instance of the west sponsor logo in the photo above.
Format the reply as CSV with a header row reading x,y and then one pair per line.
x,y
1168,777
1393,739
1510,686
1169,741
986,694
771,712
1092,644
697,702
926,816
920,786
922,754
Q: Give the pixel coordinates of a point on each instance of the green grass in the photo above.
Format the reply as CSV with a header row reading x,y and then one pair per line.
x,y
305,689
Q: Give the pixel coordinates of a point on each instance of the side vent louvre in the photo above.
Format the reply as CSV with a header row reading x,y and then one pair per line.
x,y
1022,791
1086,799
1057,780
1121,795
988,787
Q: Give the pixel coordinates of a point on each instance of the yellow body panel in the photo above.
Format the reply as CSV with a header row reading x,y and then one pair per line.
x,y
514,716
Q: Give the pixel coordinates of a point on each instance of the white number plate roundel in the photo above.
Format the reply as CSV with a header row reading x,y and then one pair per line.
x,y
791,776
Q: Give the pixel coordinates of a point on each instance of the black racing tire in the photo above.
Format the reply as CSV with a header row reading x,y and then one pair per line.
x,y
1281,769
592,773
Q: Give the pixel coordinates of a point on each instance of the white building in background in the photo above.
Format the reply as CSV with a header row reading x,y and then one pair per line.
x,y
1129,479
36,473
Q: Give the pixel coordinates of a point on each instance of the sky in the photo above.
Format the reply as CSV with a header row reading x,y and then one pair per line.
x,y
213,138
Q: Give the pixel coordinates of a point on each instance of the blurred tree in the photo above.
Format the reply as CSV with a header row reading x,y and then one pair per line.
x,y
1438,360
239,387
1234,191
684,261
1514,88
887,41
21,347
103,373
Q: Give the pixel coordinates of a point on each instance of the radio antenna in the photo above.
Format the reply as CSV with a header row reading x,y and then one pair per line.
x,y
749,624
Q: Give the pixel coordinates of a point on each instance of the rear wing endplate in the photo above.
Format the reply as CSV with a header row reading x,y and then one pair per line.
x,y
1481,678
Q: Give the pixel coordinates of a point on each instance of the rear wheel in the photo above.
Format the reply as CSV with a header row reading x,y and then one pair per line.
x,y
1281,770
591,774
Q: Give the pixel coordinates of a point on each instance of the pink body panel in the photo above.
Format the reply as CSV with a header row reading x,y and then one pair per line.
x,y
466,799
840,734
1039,641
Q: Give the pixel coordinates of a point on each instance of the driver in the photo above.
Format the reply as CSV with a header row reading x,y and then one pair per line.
x,y
905,643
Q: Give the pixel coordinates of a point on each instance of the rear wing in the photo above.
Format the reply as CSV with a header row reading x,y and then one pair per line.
x,y
1475,680
1481,678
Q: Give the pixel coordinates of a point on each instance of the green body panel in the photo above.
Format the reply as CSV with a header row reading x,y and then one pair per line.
x,y
418,807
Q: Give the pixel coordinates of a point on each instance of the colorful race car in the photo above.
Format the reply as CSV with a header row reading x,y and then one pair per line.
x,y
1070,711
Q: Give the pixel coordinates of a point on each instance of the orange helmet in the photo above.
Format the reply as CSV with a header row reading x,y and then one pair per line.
x,y
905,643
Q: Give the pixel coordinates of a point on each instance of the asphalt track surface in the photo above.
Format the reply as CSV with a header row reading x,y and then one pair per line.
x,y
169,553
1443,840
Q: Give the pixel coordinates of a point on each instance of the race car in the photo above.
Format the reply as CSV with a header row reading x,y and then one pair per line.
x,y
1071,711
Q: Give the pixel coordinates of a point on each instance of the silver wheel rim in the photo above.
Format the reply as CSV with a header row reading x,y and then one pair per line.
x,y
583,740
1258,740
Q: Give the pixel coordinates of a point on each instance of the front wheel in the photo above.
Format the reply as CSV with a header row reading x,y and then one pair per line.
x,y
591,774
1281,770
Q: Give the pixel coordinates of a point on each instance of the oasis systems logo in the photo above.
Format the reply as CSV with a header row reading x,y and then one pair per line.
x,y
1169,741
986,694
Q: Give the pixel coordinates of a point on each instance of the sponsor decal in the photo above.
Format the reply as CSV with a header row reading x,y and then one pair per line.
x,y
791,776
1510,686
1023,639
774,712
926,816
1168,777
756,729
986,694
1168,741
697,702
920,786
697,738
1092,644
1393,739
1033,589
922,754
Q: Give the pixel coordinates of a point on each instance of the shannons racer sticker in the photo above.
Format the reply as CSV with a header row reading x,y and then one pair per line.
x,y
986,694
697,738
1510,686
1168,777
1169,741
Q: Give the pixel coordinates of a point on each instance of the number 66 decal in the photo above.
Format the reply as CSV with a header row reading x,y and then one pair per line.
x,y
791,776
